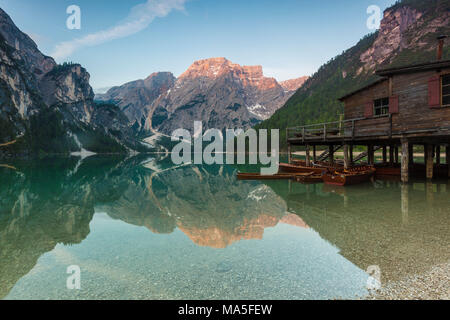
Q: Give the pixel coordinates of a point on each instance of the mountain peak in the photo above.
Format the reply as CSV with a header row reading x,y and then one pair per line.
x,y
226,93
216,67
156,75
165,79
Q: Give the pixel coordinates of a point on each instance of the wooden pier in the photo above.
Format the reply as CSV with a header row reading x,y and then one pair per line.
x,y
405,107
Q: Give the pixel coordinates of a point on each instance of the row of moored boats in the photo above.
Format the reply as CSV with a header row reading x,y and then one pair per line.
x,y
317,173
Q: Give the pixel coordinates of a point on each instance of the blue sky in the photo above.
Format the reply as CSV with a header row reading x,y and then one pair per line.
x,y
289,38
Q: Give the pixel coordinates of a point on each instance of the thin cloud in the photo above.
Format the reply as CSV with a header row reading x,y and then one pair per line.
x,y
140,17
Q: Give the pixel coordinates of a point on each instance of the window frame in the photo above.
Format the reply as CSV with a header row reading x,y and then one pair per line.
x,y
381,107
442,90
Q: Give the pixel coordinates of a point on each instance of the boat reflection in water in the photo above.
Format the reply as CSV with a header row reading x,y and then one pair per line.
x,y
142,229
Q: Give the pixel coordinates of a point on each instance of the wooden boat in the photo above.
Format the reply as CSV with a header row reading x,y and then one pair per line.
x,y
323,164
298,162
308,178
316,164
292,168
348,177
390,178
386,170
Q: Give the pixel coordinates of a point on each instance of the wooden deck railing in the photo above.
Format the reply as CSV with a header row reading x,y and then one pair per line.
x,y
340,130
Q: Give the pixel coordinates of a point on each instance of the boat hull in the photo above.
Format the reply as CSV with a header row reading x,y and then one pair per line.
x,y
314,178
290,168
388,170
348,178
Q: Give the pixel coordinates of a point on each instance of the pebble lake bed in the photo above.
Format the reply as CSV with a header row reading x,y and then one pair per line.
x,y
196,232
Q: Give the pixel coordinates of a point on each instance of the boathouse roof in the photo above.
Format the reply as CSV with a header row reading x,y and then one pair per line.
x,y
387,72
435,65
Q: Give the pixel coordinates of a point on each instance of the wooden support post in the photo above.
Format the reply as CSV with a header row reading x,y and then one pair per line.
x,y
384,154
346,157
411,155
447,156
308,156
405,161
405,203
314,154
391,155
396,155
429,161
289,153
370,154
331,154
351,154
438,155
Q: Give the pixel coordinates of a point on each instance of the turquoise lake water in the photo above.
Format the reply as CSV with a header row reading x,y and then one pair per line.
x,y
140,228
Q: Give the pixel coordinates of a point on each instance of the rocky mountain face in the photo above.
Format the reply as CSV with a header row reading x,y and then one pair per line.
x,y
70,86
18,53
135,98
46,107
407,35
405,28
293,85
215,91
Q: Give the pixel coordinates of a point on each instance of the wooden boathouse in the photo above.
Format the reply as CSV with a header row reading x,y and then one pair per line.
x,y
406,106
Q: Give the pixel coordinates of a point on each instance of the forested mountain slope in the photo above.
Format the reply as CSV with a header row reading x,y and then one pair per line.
x,y
407,35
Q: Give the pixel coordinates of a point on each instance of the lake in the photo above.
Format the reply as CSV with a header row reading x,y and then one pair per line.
x,y
140,228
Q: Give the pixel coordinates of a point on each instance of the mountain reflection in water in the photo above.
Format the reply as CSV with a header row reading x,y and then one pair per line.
x,y
403,229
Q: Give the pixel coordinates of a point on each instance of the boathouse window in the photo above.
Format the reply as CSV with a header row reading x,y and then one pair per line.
x,y
381,107
445,90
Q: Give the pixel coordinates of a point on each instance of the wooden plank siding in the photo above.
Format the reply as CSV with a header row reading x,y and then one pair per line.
x,y
414,116
414,112
356,104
